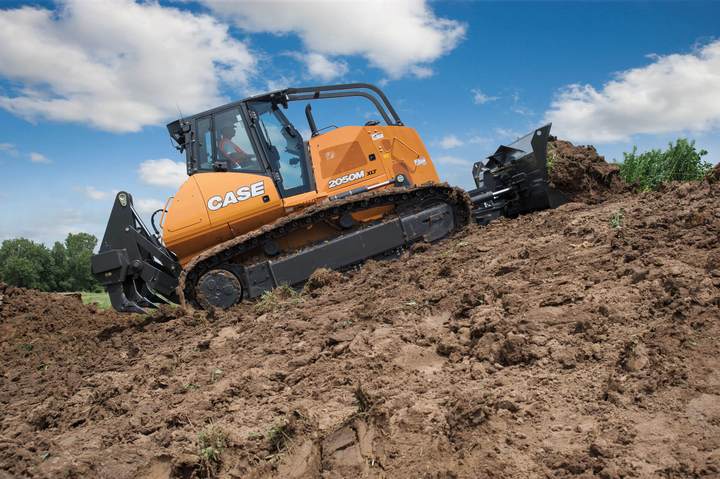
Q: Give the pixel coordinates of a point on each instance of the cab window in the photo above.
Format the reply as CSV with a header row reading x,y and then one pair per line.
x,y
286,149
223,140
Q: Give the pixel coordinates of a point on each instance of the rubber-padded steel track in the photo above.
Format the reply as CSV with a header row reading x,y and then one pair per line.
x,y
409,199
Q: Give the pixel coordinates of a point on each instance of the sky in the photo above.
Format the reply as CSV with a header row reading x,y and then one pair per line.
x,y
87,86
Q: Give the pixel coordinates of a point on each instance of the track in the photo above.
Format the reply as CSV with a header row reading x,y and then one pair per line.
x,y
232,251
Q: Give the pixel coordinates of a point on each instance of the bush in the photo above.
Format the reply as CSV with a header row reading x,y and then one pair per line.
x,y
680,162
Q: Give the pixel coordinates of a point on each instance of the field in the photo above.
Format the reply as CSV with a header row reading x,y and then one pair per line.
x,y
577,342
101,299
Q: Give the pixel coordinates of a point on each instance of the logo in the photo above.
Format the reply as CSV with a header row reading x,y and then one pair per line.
x,y
231,197
346,179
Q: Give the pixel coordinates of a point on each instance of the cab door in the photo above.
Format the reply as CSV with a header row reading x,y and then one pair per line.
x,y
286,153
238,192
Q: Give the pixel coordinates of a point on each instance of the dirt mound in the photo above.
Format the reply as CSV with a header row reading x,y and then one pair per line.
x,y
582,174
580,341
713,175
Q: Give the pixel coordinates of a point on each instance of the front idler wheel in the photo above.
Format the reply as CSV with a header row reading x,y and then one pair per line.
x,y
218,288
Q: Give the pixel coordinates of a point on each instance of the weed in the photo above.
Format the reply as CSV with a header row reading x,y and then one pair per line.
x,y
253,436
680,162
271,300
216,374
364,402
211,442
616,220
550,161
279,436
25,347
191,386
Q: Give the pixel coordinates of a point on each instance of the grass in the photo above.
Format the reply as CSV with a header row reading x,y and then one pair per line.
x,y
272,300
101,299
211,442
616,220
279,436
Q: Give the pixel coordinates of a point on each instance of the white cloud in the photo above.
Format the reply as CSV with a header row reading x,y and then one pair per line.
x,y
163,172
412,37
451,161
320,66
116,64
39,158
147,206
679,92
480,140
450,141
8,148
507,134
518,107
95,194
422,72
480,98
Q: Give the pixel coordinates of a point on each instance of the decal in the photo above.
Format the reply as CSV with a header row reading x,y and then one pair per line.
x,y
377,135
420,161
346,178
231,197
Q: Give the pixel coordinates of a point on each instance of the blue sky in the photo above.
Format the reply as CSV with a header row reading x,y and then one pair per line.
x,y
86,87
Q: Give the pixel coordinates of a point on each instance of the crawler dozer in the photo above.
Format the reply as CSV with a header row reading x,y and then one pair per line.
x,y
263,206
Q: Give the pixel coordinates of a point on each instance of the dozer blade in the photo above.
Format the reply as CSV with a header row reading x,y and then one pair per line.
x,y
136,269
514,180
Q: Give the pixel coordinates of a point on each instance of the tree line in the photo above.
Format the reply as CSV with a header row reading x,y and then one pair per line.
x,y
64,267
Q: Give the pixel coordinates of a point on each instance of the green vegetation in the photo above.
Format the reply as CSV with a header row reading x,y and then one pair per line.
x,y
550,161
616,220
65,267
101,299
211,442
271,300
680,162
279,436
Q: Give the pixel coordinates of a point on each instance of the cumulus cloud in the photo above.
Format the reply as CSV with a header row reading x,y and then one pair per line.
x,y
95,194
413,37
117,65
39,158
147,206
450,141
162,172
322,67
679,92
480,98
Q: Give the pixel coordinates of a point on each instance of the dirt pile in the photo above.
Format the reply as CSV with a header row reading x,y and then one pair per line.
x,y
582,174
577,342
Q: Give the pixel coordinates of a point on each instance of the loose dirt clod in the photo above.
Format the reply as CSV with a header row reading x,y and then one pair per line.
x,y
546,346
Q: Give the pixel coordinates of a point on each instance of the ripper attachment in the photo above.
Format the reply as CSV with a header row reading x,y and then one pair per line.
x,y
135,268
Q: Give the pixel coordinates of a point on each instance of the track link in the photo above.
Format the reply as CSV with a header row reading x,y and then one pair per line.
x,y
404,199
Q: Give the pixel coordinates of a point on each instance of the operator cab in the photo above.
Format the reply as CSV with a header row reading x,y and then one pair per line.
x,y
246,137
255,136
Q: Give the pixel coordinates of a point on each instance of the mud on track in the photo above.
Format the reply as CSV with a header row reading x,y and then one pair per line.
x,y
578,342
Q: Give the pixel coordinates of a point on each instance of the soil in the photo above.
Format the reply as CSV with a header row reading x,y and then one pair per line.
x,y
576,342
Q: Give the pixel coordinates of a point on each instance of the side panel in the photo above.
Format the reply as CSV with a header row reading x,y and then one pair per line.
x,y
355,156
213,207
345,158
